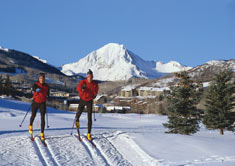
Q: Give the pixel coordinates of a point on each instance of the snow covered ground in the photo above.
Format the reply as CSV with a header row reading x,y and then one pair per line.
x,y
121,139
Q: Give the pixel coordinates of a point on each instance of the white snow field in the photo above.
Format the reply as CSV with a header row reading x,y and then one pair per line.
x,y
121,139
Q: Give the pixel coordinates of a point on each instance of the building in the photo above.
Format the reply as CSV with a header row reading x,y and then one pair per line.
x,y
118,109
59,94
150,91
129,91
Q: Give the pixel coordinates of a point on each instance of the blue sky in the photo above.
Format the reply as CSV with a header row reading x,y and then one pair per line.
x,y
191,32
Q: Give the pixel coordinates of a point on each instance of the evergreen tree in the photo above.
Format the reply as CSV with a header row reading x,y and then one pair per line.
x,y
7,86
1,85
220,100
183,115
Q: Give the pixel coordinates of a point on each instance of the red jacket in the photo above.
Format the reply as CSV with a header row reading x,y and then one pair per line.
x,y
40,97
89,92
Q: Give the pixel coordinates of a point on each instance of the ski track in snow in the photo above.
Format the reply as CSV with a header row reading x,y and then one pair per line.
x,y
128,148
98,158
115,146
115,149
20,150
68,151
45,152
108,150
131,150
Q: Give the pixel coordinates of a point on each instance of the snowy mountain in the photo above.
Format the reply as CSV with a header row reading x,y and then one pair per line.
x,y
38,58
203,73
4,49
170,67
12,60
115,62
206,71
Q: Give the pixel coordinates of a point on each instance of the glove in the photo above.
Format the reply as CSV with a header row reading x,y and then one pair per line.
x,y
38,90
83,87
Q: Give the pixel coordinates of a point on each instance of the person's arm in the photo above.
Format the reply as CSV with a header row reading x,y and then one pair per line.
x,y
48,92
79,87
35,88
96,90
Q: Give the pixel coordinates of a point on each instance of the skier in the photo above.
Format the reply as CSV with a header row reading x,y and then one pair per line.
x,y
88,89
41,93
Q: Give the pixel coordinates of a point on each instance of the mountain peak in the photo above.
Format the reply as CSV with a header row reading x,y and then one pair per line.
x,y
111,50
113,45
115,62
170,67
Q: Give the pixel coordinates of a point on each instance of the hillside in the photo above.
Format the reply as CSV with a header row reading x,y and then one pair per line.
x,y
24,68
203,73
13,61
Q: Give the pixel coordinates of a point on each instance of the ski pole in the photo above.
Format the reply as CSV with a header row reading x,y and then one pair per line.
x,y
27,111
94,112
46,115
94,116
73,126
47,120
25,115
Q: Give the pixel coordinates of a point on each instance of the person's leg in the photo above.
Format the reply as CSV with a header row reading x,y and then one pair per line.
x,y
43,112
34,112
80,110
89,115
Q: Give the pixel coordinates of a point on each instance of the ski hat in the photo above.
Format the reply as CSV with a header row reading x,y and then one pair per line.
x,y
90,72
41,75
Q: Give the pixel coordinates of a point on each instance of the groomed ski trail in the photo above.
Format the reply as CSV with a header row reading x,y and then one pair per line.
x,y
20,150
109,151
69,151
115,148
96,155
131,150
45,152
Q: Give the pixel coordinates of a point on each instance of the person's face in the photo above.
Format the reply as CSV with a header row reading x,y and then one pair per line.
x,y
89,77
41,80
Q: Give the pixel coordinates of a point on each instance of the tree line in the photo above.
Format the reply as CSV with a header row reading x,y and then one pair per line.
x,y
6,86
183,115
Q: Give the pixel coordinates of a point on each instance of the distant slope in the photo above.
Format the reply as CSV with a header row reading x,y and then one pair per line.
x,y
11,60
203,73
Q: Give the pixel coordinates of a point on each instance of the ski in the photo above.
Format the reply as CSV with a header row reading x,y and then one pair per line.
x,y
79,136
44,143
31,137
91,141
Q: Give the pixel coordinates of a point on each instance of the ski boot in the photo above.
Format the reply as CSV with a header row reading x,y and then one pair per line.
x,y
89,137
77,125
30,129
42,136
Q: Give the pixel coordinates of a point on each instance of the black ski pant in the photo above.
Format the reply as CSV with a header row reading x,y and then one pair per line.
x,y
81,107
35,107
